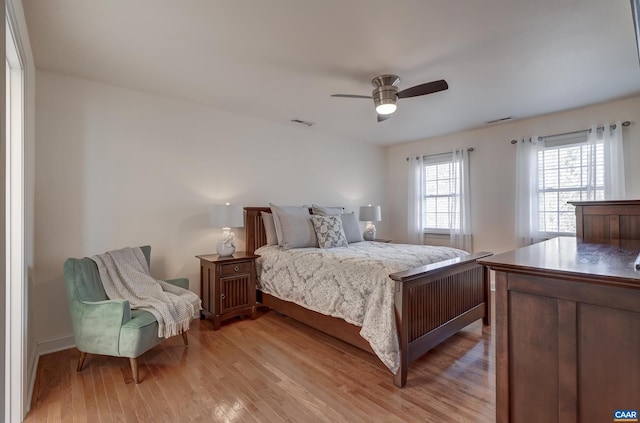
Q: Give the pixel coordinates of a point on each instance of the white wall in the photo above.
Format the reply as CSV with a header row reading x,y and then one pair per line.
x,y
493,167
116,168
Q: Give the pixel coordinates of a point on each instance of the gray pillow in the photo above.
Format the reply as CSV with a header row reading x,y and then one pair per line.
x,y
297,231
351,227
329,231
278,211
326,211
269,228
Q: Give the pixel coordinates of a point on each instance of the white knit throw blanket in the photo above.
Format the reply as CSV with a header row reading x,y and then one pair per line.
x,y
125,275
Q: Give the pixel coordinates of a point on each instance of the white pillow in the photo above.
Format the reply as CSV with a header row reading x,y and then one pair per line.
x,y
297,232
351,228
326,211
269,228
278,211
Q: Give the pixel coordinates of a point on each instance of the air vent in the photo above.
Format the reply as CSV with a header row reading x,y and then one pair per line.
x,y
302,122
499,120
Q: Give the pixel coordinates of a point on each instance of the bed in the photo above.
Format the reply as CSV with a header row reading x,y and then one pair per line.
x,y
430,302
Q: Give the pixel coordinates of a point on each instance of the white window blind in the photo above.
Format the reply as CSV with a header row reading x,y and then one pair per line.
x,y
441,208
564,175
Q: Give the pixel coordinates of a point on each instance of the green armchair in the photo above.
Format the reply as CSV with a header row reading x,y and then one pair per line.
x,y
109,327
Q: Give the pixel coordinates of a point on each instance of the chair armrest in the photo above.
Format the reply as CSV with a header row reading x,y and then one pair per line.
x,y
180,282
109,310
97,324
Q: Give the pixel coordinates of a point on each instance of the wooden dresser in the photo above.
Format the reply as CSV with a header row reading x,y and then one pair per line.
x,y
568,322
601,221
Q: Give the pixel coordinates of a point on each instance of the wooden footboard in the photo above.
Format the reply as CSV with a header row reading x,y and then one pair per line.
x,y
435,301
432,302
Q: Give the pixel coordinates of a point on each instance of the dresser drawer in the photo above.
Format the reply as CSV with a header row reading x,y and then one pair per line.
x,y
235,268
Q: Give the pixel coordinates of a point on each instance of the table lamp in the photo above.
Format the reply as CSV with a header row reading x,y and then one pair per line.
x,y
227,216
370,214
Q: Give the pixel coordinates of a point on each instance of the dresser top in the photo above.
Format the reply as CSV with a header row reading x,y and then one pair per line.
x,y
573,259
606,203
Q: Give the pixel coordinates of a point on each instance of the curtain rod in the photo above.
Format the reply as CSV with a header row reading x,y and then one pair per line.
x,y
600,128
469,150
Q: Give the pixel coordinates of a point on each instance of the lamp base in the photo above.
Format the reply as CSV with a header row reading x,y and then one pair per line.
x,y
369,233
225,249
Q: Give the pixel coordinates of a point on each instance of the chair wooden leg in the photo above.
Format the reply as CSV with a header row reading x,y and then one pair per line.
x,y
134,369
83,355
185,339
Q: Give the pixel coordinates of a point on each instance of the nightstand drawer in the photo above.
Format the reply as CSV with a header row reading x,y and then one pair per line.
x,y
235,268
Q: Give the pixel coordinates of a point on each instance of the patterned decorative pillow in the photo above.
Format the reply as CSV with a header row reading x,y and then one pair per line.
x,y
329,231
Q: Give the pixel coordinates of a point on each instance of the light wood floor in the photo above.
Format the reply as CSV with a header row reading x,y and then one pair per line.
x,y
271,369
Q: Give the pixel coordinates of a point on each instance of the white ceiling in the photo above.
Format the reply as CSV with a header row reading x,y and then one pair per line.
x,y
281,59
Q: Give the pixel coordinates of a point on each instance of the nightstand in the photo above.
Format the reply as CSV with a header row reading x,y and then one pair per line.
x,y
228,286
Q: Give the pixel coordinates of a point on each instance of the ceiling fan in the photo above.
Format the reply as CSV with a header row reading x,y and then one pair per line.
x,y
385,95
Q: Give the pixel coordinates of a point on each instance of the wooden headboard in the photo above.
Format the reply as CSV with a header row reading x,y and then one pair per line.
x,y
603,221
255,235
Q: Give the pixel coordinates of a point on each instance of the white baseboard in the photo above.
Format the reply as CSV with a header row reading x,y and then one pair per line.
x,y
51,345
45,346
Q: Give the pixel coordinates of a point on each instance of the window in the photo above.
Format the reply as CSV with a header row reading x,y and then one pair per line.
x,y
441,203
586,165
439,200
563,176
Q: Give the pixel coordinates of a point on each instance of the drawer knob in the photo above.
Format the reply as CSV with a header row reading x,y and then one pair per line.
x,y
236,268
223,296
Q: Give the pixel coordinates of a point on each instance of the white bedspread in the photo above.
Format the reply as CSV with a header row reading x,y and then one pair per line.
x,y
351,283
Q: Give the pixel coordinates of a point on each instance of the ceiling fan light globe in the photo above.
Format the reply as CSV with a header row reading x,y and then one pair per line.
x,y
386,109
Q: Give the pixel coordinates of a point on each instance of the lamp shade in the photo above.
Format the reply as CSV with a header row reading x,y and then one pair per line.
x,y
370,213
227,216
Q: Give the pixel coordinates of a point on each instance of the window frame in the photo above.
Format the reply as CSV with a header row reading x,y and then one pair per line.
x,y
434,160
559,144
16,390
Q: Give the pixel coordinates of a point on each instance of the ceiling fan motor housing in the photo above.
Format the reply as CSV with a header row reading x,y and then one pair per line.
x,y
385,93
386,90
386,80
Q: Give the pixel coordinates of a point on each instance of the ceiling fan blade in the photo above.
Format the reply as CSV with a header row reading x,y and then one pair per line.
x,y
383,117
351,96
423,89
